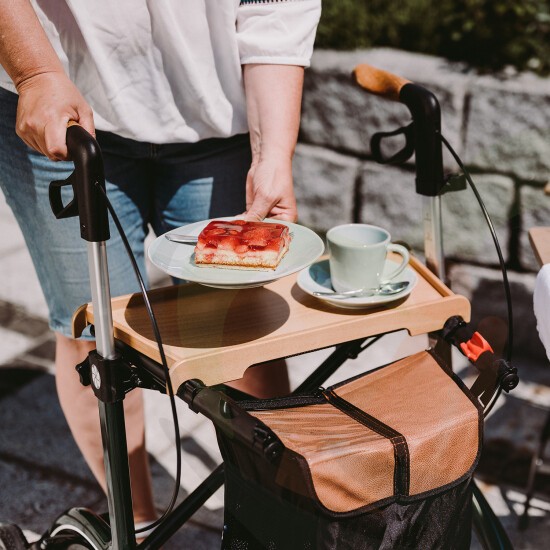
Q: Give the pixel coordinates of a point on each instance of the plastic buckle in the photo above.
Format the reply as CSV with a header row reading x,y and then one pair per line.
x,y
272,448
475,346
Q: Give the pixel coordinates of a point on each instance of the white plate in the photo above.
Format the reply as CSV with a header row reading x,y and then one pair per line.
x,y
177,259
316,278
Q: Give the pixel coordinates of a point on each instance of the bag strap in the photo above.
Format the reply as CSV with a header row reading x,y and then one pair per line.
x,y
287,402
401,478
401,475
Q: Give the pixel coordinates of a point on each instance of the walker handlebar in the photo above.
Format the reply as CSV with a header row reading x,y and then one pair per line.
x,y
88,202
424,138
379,82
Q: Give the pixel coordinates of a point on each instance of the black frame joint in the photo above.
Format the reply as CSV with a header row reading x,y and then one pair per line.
x,y
189,390
110,379
456,330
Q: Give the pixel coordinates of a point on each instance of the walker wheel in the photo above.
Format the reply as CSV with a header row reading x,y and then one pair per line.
x,y
12,538
78,529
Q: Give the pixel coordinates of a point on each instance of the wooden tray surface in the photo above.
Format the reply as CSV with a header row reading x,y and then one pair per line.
x,y
215,335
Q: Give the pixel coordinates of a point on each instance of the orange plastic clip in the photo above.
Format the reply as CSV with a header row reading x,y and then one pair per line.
x,y
475,346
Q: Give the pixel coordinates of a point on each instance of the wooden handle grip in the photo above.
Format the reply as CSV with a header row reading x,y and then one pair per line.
x,y
379,82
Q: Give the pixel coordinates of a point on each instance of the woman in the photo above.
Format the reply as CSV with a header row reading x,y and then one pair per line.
x,y
171,89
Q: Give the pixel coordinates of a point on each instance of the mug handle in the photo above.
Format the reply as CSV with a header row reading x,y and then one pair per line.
x,y
404,253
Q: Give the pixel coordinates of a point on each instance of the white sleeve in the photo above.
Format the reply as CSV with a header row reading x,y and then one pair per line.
x,y
277,31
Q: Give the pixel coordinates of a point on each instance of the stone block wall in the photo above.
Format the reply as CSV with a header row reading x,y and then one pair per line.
x,y
499,126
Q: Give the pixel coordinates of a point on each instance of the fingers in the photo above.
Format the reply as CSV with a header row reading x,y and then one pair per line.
x,y
253,216
269,192
86,119
51,139
55,147
260,207
276,209
255,211
285,216
48,139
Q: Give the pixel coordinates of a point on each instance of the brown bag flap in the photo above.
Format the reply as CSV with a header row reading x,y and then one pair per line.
x,y
338,451
419,399
399,431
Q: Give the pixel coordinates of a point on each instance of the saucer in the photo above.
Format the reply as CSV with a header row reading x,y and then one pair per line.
x,y
316,278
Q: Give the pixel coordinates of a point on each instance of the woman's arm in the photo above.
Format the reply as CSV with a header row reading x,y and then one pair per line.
x,y
275,44
47,98
273,96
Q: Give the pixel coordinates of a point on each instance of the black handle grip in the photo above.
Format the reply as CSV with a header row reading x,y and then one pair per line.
x,y
425,135
88,176
426,115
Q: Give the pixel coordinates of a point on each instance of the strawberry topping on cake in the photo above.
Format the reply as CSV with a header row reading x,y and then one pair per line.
x,y
242,245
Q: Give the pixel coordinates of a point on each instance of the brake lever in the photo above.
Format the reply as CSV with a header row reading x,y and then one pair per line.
x,y
59,209
403,155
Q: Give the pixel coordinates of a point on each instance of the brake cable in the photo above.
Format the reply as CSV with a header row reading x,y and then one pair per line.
x,y
158,339
505,282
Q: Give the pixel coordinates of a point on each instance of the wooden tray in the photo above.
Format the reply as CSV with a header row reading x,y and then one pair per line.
x,y
215,335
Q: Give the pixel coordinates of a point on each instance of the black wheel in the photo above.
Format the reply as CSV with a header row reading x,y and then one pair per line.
x,y
78,529
65,541
12,538
490,533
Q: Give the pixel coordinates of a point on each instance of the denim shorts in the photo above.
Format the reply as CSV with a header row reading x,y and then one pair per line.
x,y
158,186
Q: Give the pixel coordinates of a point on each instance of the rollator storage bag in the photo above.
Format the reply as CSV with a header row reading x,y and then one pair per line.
x,y
383,460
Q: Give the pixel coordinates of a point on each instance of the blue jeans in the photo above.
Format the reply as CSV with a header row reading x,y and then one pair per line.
x,y
162,186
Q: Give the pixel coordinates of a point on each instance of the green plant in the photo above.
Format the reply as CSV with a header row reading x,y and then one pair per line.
x,y
487,34
491,34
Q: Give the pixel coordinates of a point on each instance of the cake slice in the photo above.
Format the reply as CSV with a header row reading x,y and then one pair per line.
x,y
242,245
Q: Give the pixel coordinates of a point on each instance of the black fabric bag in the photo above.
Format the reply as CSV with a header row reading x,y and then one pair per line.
x,y
382,461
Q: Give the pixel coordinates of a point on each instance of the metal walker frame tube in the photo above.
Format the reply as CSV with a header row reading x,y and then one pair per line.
x,y
91,208
113,431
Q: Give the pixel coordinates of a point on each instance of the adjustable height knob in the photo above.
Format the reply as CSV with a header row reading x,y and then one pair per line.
x,y
83,370
507,376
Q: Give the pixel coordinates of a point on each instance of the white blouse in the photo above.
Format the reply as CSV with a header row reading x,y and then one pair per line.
x,y
166,71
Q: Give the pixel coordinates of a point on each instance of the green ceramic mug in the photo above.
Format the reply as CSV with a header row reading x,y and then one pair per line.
x,y
358,255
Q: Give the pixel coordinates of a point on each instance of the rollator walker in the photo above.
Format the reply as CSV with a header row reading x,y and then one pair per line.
x,y
253,444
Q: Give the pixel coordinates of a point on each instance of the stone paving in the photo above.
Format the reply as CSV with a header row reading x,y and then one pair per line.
x,y
42,473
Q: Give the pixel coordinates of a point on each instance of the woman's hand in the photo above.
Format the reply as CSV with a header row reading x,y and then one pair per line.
x,y
47,102
269,190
